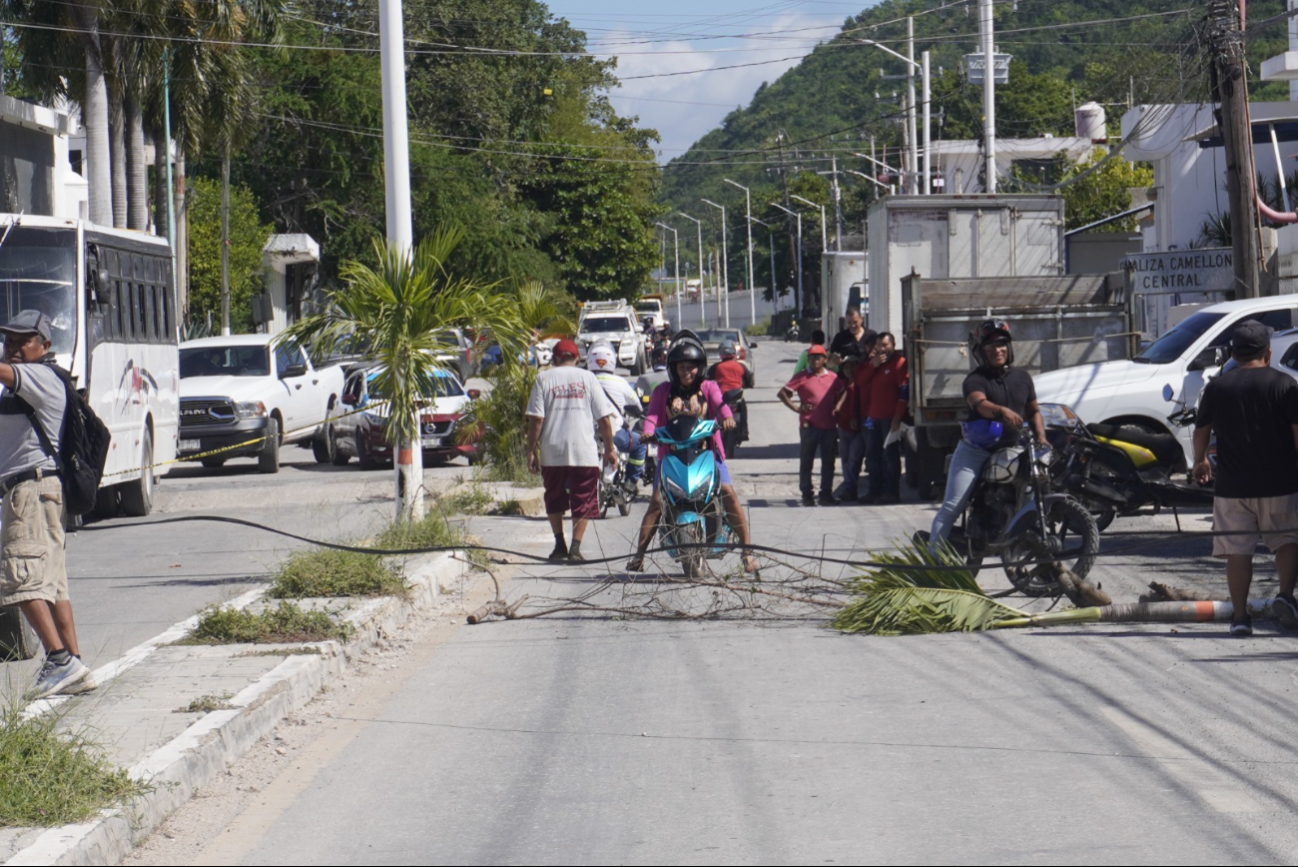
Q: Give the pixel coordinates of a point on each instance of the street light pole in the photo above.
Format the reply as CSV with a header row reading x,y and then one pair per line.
x,y
987,27
798,215
923,69
748,224
725,262
703,310
911,66
770,238
676,268
824,239
928,126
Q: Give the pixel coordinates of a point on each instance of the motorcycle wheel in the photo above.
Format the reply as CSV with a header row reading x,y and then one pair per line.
x,y
1103,518
692,557
1074,542
624,506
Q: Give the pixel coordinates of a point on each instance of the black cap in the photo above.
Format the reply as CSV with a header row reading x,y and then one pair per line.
x,y
29,322
1250,338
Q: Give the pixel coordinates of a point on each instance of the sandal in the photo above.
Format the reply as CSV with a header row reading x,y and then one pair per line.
x,y
635,564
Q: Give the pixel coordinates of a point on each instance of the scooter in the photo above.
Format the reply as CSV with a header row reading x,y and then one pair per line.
x,y
693,526
1119,469
734,437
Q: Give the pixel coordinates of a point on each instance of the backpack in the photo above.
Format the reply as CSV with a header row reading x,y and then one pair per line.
x,y
83,447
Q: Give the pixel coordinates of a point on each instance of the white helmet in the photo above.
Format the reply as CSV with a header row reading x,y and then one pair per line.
x,y
601,358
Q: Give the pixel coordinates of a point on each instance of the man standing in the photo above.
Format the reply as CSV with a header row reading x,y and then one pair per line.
x,y
883,378
817,389
35,576
855,337
1253,409
848,412
562,411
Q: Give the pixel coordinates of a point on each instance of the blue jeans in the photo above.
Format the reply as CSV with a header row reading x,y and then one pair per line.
x,y
628,443
825,443
966,464
851,451
883,464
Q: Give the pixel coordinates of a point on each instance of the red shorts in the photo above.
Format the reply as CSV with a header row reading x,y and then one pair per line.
x,y
575,488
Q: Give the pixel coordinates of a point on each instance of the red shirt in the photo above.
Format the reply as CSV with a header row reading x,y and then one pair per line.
x,y
879,388
729,375
819,392
849,414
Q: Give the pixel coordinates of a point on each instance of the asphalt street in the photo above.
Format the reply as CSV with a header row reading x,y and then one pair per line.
x,y
593,738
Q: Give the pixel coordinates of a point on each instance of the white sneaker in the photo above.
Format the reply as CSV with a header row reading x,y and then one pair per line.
x,y
54,678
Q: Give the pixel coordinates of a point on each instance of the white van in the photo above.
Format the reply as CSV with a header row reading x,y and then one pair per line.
x,y
1131,392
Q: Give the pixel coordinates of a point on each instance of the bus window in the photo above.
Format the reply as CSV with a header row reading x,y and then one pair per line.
x,y
151,311
138,311
121,321
167,329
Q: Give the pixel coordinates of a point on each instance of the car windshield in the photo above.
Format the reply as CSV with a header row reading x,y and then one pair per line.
x,y
224,361
647,307
444,386
718,336
604,324
447,339
38,271
1173,344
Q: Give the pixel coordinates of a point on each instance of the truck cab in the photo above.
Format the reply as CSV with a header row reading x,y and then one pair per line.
x,y
614,323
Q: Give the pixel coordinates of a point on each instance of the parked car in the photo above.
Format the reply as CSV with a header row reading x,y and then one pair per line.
x,y
456,350
712,339
614,323
364,436
493,355
246,390
1131,392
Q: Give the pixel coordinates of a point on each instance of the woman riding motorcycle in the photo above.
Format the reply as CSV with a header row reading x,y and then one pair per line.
x,y
996,392
687,391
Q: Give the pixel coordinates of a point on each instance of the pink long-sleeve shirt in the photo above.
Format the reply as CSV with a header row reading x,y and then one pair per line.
x,y
717,411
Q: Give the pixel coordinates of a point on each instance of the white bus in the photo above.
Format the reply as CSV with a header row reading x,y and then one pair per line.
x,y
111,300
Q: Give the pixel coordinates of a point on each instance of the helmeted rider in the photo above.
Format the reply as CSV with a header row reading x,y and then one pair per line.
x,y
601,360
687,391
1000,398
731,374
648,381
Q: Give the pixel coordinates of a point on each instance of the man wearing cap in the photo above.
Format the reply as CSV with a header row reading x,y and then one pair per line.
x,y
1253,410
817,389
562,412
35,577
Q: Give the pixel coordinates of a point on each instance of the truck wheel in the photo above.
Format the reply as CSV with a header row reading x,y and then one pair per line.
x,y
363,457
338,457
322,448
137,496
910,464
268,458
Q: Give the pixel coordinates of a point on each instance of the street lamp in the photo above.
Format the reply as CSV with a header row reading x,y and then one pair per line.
x,y
748,225
676,269
775,295
889,187
872,180
703,310
824,242
797,214
725,262
923,69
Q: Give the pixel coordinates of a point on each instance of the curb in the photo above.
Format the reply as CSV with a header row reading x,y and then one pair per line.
x,y
220,738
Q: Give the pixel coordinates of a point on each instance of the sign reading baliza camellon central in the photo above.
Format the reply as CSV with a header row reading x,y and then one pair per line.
x,y
1208,270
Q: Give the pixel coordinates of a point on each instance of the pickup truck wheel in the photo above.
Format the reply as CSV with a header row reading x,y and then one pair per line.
x,y
268,458
137,496
363,457
322,448
337,457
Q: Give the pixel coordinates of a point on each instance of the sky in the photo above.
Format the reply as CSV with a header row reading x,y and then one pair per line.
x,y
758,40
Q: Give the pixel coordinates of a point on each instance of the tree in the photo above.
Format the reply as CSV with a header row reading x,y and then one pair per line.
x,y
1102,193
397,308
248,236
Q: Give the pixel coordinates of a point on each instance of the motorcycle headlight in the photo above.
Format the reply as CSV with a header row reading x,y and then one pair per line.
x,y
250,409
700,490
677,491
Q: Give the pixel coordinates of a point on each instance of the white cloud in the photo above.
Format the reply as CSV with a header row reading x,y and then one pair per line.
x,y
685,107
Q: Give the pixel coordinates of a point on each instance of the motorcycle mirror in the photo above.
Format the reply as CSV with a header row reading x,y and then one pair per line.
x,y
1168,394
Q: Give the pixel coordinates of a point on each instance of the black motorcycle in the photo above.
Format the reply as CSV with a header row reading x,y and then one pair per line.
x,y
734,437
1119,469
1015,514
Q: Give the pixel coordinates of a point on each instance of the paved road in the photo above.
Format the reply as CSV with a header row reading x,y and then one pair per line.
x,y
130,581
593,739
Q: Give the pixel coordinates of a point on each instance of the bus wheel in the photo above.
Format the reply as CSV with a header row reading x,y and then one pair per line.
x,y
137,496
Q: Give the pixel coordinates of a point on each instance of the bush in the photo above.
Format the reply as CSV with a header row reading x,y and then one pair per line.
x,y
284,624
499,421
331,572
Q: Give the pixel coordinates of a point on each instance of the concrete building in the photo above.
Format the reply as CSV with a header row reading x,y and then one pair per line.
x,y
36,173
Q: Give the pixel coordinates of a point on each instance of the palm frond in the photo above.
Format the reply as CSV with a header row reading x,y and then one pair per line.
x,y
917,591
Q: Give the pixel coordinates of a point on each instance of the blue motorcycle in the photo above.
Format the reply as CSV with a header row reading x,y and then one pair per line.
x,y
693,525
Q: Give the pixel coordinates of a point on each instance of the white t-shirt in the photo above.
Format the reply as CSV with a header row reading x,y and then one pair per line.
x,y
619,393
569,400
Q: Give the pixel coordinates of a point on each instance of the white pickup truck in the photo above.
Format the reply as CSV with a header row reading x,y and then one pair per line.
x,y
248,395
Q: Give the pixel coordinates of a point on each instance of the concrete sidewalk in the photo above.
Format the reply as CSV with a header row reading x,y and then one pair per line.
x,y
141,713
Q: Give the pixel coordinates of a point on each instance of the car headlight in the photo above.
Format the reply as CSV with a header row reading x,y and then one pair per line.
x,y
250,409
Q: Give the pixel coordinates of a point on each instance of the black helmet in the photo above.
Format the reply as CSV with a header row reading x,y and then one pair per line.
x,y
686,346
987,331
727,349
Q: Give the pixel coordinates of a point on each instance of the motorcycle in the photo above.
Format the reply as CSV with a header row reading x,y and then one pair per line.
x,y
734,437
1015,513
693,526
613,490
1119,469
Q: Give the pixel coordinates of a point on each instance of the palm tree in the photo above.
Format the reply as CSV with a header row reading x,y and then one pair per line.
x,y
397,309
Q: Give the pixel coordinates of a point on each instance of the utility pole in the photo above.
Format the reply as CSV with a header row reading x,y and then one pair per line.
x,y
703,310
928,127
725,264
225,241
748,224
1230,89
795,248
676,269
989,92
838,205
912,183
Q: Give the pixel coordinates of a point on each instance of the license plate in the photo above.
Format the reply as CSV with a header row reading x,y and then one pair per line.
x,y
429,442
190,445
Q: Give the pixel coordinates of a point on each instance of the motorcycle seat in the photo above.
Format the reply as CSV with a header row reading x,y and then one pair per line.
x,y
733,396
1164,446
